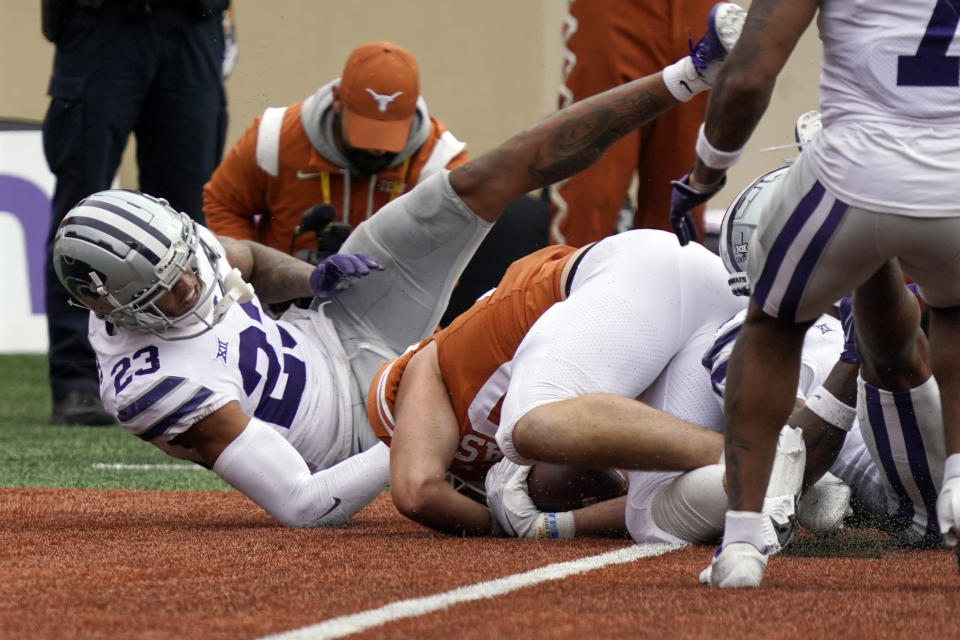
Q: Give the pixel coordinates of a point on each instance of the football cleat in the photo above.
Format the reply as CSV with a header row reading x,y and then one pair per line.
x,y
739,564
724,23
780,522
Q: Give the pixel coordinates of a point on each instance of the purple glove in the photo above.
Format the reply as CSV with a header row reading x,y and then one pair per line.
x,y
849,353
684,199
338,271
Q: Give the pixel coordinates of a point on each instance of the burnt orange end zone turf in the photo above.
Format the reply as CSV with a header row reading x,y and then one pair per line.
x,y
128,564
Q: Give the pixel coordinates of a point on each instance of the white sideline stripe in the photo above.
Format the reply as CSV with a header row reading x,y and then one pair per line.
x,y
345,625
147,467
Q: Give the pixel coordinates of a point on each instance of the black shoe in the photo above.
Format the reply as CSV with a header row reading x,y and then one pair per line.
x,y
80,408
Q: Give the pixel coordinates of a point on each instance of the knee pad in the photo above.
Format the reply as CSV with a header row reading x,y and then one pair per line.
x,y
786,476
783,488
693,505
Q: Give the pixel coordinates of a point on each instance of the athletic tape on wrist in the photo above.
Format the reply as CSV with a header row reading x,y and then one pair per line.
x,y
829,408
556,525
713,157
549,526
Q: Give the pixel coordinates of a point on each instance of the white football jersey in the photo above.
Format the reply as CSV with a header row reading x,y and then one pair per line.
x,y
821,350
890,103
289,373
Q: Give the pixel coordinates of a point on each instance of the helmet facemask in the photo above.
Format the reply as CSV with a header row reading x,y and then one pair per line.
x,y
148,316
119,252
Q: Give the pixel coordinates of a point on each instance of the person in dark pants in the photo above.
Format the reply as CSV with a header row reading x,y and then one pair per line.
x,y
150,67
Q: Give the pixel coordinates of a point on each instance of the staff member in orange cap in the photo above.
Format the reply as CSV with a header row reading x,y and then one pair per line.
x,y
357,143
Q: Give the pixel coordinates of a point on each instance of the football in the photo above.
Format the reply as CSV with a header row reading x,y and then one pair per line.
x,y
554,487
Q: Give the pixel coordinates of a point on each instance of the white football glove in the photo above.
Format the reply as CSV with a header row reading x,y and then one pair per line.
x,y
506,485
948,510
510,504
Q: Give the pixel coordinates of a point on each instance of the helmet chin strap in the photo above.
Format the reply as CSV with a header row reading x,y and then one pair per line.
x,y
235,289
739,283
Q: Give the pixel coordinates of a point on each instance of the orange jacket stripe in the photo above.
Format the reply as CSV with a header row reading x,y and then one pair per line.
x,y
243,200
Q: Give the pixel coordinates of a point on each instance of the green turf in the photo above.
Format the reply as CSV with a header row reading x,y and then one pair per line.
x,y
36,454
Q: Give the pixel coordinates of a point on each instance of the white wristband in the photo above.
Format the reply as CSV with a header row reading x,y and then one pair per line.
x,y
713,157
831,410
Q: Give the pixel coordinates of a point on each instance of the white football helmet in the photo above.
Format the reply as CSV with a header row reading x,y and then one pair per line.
x,y
739,223
117,252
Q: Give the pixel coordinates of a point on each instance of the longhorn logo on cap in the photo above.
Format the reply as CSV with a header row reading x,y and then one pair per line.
x,y
383,100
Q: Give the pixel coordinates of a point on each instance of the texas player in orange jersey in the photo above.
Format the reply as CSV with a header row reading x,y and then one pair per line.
x,y
461,392
549,367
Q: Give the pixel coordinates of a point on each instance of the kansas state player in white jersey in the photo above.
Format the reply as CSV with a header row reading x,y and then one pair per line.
x,y
876,190
895,464
190,361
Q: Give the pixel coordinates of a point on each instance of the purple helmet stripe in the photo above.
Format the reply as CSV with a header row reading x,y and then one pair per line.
x,y
143,224
785,238
109,229
801,276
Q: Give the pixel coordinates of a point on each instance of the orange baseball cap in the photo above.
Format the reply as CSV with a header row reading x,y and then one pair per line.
x,y
379,89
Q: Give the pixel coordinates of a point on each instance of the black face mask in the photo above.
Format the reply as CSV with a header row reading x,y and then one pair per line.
x,y
365,162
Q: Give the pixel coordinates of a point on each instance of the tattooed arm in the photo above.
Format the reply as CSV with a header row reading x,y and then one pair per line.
x,y
558,146
276,276
745,83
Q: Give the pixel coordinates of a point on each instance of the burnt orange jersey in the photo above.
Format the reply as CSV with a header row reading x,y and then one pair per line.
x,y
475,354
246,201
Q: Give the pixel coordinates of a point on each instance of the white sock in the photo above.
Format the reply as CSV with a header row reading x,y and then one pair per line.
x,y
693,505
744,526
682,80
